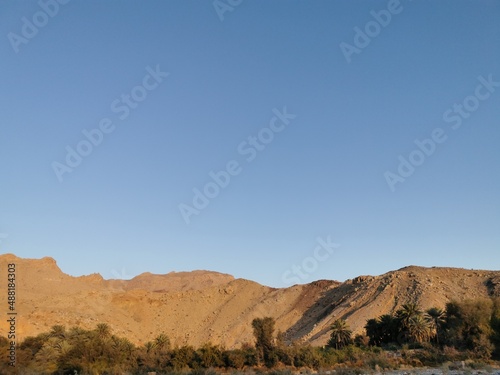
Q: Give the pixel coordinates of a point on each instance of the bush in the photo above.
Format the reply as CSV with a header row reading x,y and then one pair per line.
x,y
361,341
452,354
379,362
234,358
307,356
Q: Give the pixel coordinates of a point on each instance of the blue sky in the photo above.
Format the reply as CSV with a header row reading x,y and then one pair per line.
x,y
322,177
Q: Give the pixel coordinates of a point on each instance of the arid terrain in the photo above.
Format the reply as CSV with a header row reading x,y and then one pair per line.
x,y
202,306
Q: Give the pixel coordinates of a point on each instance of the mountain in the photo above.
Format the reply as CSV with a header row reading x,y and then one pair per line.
x,y
202,306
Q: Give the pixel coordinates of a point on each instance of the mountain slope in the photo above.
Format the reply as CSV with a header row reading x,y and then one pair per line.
x,y
201,306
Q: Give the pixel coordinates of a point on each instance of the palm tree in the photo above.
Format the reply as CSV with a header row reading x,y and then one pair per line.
x,y
58,331
149,346
76,332
419,329
407,312
103,331
63,347
126,346
341,335
436,317
162,341
373,331
388,328
46,359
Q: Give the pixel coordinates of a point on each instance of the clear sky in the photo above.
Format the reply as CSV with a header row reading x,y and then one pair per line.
x,y
334,95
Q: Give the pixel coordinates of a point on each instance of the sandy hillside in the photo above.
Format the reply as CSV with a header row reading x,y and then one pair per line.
x,y
201,306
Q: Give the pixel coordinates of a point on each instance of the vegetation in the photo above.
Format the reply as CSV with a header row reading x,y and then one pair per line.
x,y
471,327
263,330
436,318
341,335
463,331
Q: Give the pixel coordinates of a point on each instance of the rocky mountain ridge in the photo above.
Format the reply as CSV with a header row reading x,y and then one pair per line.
x,y
202,306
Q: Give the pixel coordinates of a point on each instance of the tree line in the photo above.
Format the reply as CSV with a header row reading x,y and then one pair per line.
x,y
472,327
463,330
